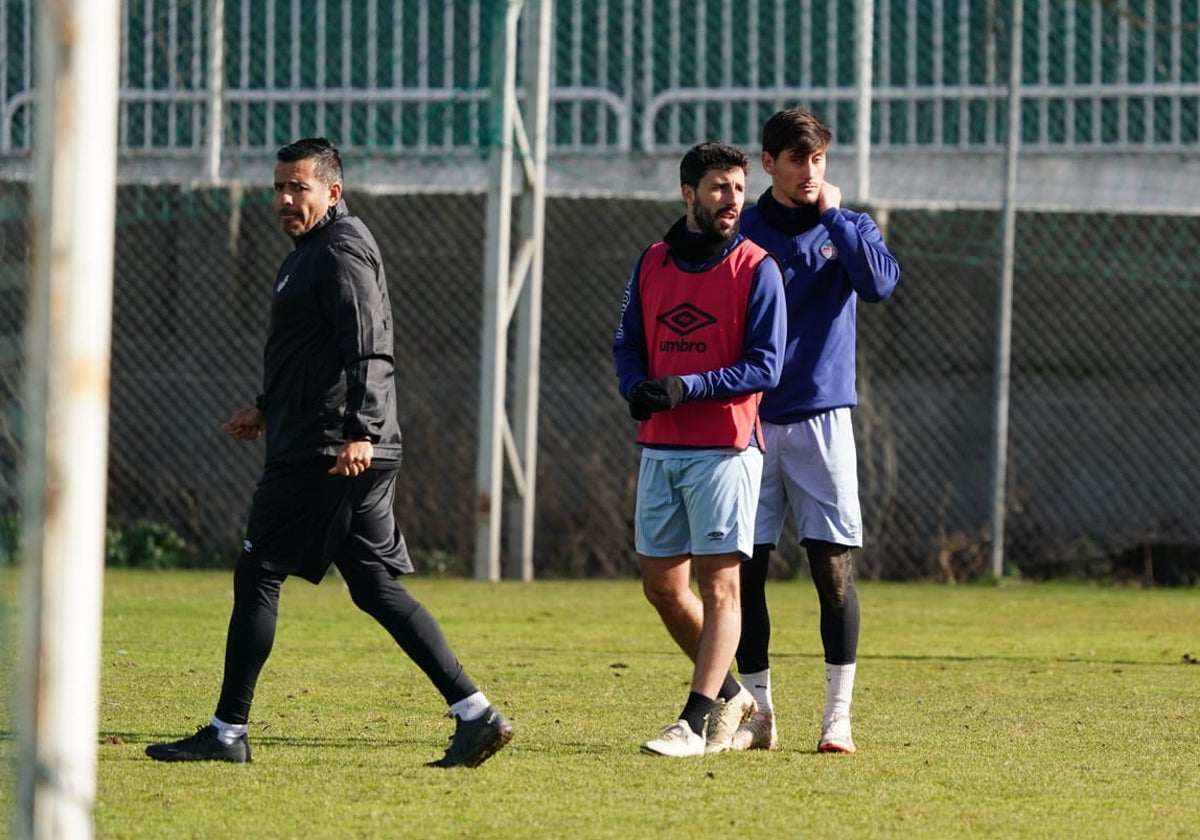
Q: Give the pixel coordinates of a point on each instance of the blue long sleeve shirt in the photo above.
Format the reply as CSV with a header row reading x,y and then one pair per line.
x,y
828,265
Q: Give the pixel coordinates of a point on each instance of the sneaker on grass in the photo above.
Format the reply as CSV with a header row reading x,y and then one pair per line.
x,y
475,741
725,718
676,741
835,736
203,746
758,733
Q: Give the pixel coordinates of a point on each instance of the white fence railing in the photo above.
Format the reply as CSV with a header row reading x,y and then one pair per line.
x,y
408,76
403,87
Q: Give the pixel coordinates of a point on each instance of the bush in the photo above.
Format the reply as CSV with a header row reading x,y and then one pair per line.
x,y
145,545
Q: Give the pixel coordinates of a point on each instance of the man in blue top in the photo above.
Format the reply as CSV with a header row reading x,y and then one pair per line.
x,y
832,257
700,337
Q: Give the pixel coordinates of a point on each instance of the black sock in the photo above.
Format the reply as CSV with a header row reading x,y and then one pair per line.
x,y
696,711
729,688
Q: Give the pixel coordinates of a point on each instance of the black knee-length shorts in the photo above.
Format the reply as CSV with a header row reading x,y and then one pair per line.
x,y
302,519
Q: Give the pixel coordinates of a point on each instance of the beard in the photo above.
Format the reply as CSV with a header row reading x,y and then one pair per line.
x,y
707,222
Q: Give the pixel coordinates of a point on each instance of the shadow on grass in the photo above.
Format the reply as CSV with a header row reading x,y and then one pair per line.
x,y
341,742
1015,659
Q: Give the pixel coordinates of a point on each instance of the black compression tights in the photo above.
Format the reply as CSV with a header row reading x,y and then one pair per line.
x,y
374,591
833,576
756,621
832,569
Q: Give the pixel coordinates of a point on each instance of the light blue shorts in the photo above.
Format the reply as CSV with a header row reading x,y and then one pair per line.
x,y
697,501
810,470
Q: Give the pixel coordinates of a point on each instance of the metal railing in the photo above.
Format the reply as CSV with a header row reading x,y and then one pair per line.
x,y
642,76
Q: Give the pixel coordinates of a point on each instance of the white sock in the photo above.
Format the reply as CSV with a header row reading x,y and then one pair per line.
x,y
759,686
227,733
839,689
470,707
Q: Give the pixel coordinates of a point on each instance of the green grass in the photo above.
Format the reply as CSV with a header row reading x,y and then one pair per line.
x,y
1020,711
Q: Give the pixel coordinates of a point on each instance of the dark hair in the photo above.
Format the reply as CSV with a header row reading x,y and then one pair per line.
x,y
706,157
795,130
327,163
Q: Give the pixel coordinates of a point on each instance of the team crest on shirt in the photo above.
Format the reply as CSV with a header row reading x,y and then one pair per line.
x,y
283,282
828,251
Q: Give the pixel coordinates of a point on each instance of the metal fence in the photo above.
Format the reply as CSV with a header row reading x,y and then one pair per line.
x,y
1103,455
635,75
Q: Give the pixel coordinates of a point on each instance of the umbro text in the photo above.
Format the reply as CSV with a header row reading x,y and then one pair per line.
x,y
682,346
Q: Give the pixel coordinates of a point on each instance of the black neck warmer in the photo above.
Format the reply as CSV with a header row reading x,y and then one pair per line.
x,y
790,220
696,249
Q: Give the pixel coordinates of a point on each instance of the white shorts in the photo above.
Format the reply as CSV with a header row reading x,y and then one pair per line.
x,y
696,502
810,469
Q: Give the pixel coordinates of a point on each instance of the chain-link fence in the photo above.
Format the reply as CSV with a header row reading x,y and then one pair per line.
x,y
1103,450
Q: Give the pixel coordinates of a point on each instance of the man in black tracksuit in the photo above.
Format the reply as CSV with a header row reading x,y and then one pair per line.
x,y
328,409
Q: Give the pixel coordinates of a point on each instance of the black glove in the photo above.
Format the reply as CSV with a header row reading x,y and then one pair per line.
x,y
652,395
638,410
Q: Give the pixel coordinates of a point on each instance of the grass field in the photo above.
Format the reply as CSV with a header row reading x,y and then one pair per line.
x,y
1025,711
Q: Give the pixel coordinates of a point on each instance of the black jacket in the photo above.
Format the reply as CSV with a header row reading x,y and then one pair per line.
x,y
328,368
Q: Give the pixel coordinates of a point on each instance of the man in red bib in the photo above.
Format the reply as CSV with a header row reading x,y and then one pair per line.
x,y
701,335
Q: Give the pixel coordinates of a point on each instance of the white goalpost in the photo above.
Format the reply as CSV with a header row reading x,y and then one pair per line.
x,y
68,341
